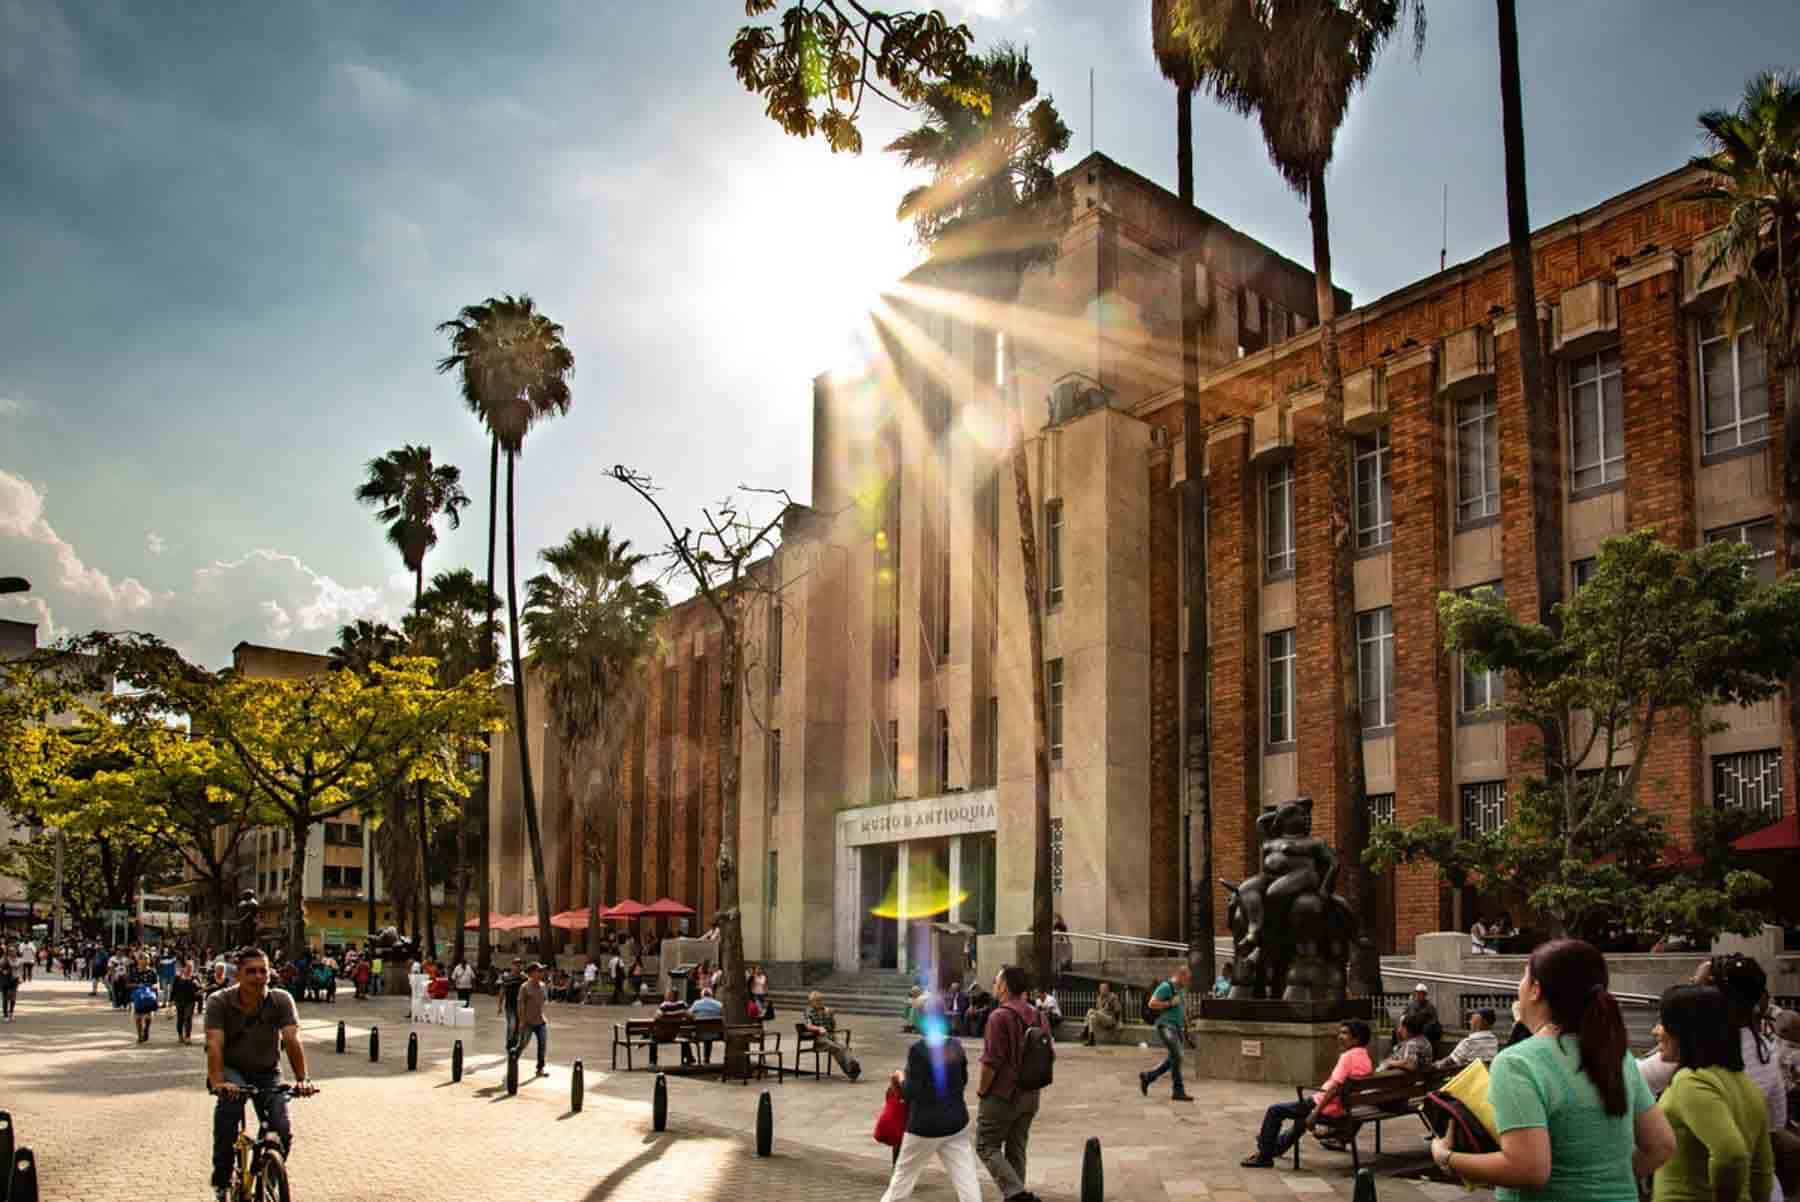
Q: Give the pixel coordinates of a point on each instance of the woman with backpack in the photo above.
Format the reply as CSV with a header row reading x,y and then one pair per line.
x,y
144,999
937,1118
1572,1113
1722,1147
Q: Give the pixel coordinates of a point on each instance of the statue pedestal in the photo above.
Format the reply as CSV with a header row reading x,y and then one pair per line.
x,y
1272,1052
1274,1010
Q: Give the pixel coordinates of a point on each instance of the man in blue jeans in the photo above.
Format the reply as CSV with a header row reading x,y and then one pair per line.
x,y
248,1026
533,995
1171,1028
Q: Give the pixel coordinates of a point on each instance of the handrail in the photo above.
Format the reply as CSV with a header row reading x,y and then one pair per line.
x,y
1103,938
1489,983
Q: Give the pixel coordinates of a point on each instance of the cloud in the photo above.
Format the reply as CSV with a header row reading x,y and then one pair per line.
x,y
155,543
265,595
378,93
12,407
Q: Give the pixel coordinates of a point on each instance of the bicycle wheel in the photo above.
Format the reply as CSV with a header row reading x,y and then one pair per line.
x,y
272,1180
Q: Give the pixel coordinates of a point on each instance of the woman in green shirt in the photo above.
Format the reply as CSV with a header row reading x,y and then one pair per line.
x,y
1721,1123
1574,1118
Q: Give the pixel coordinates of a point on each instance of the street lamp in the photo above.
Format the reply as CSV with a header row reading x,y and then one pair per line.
x,y
14,584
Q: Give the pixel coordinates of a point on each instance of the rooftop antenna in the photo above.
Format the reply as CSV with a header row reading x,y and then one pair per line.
x,y
1444,246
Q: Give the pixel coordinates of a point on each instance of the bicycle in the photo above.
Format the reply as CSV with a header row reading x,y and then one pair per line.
x,y
258,1167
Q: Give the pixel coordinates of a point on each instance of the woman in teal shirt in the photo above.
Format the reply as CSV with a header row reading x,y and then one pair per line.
x,y
1721,1123
1575,1120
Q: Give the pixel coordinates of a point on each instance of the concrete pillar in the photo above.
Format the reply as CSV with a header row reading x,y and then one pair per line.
x,y
955,914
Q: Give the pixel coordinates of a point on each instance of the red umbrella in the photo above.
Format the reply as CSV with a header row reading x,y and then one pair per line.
x,y
664,907
495,922
625,909
570,920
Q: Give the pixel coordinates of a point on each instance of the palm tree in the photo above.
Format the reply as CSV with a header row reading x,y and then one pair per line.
x,y
410,492
1753,179
448,625
591,625
1295,64
361,645
988,209
514,372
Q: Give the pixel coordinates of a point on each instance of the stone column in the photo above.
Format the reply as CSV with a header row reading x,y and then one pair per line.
x,y
902,902
955,915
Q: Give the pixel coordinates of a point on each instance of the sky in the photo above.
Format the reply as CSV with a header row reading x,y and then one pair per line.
x,y
228,232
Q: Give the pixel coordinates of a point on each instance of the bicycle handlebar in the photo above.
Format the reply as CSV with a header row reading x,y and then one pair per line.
x,y
262,1091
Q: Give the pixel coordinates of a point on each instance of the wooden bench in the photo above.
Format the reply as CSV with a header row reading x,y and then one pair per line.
x,y
758,1052
1376,1098
646,1033
805,1043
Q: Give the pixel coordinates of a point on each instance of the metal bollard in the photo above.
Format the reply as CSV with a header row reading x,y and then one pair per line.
x,y
340,1038
24,1177
512,1074
1093,1173
659,1104
1365,1186
765,1125
6,1155
456,1062
412,1052
575,1088
374,1044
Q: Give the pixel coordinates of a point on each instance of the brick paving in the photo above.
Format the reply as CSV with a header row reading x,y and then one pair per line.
x,y
110,1118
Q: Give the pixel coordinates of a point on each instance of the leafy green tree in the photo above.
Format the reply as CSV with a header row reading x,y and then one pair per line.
x,y
1657,636
514,371
991,209
361,645
814,72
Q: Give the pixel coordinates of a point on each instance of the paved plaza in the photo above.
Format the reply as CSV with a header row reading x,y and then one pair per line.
x,y
110,1118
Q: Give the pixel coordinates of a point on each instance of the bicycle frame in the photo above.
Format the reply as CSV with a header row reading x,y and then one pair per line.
x,y
244,1148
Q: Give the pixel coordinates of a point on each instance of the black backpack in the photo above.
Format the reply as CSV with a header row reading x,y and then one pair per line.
x,y
1037,1054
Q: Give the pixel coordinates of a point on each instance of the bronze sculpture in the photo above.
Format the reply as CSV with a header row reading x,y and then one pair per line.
x,y
1291,934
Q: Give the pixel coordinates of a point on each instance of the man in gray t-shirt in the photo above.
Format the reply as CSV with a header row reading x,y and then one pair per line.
x,y
248,1026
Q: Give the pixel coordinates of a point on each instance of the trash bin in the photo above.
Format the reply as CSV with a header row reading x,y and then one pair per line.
x,y
678,981
948,962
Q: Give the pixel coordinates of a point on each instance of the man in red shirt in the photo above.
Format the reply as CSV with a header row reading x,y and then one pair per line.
x,y
1003,1121
1353,1061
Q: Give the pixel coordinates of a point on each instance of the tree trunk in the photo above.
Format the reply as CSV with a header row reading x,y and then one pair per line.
x,y
368,836
429,927
1540,401
459,938
484,940
734,988
546,933
1043,966
1353,808
296,898
595,948
1197,711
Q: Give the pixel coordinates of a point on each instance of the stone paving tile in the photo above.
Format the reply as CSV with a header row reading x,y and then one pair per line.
x,y
110,1118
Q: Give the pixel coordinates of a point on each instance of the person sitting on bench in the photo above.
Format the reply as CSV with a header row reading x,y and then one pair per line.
x,y
1479,1044
1352,1062
1412,1051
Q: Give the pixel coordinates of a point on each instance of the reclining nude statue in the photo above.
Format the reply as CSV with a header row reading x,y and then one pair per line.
x,y
1291,934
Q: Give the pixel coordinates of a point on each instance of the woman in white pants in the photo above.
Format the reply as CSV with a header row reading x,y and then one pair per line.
x,y
937,1119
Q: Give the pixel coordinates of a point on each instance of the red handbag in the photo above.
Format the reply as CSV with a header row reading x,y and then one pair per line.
x,y
890,1127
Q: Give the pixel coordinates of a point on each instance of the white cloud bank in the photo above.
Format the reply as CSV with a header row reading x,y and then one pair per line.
x,y
263,596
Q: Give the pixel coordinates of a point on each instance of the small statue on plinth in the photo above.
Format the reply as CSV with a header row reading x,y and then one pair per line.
x,y
249,916
1291,934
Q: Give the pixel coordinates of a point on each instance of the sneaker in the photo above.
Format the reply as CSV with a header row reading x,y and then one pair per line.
x,y
854,1071
1181,1097
1144,1084
1257,1161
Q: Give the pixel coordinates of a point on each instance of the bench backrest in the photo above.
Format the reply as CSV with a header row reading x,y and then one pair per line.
x,y
1377,1088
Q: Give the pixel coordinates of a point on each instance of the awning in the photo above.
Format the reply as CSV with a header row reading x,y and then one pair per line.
x,y
1781,835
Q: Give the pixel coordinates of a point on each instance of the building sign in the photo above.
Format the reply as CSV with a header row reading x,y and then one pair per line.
x,y
930,818
1251,1049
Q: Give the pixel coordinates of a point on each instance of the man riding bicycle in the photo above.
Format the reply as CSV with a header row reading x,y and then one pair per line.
x,y
247,1027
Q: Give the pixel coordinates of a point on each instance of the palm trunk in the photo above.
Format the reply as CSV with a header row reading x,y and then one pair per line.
x,y
1043,967
1347,732
545,931
484,939
594,944
459,938
428,926
1540,403
1197,715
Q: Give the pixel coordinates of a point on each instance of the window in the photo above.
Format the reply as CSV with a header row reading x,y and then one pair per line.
x,y
1054,678
343,876
1483,808
1056,855
1591,778
1278,520
1280,647
943,607
774,769
1749,780
1734,387
1582,571
1596,421
774,879
1477,459
892,755
1482,692
943,751
1381,809
1053,576
1759,536
775,647
1374,492
1375,667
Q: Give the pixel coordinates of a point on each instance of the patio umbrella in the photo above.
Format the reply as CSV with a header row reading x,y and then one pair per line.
x,y
1781,835
570,920
625,909
664,907
494,922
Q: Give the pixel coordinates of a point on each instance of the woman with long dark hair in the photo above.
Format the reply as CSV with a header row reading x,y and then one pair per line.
x,y
1746,988
1722,1149
1574,1118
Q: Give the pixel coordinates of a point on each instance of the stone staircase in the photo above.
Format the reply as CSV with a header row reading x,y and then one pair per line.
x,y
879,993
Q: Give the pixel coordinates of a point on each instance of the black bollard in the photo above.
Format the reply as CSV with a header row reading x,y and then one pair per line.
x,y
1365,1186
575,1088
512,1074
374,1044
1093,1174
659,1104
340,1038
24,1177
412,1052
456,1062
6,1155
765,1125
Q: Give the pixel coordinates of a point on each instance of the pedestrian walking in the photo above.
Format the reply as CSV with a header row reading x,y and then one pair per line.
x,y
510,983
144,1003
530,1018
1167,1003
462,978
9,983
1016,1059
937,1118
1716,1110
184,995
